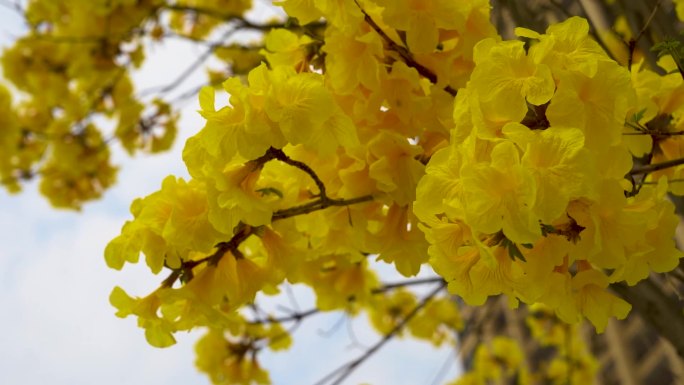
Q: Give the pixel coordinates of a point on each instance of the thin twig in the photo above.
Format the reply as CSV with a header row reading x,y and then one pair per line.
x,y
655,166
281,156
240,21
189,70
244,231
648,21
404,52
347,369
631,45
674,133
450,360
391,286
316,205
298,315
13,6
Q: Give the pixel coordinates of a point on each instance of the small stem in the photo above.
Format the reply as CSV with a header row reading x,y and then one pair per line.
x,y
281,156
656,166
403,52
347,369
244,231
316,205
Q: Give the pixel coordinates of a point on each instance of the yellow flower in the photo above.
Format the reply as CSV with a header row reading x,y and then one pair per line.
x,y
477,272
399,241
233,281
285,48
365,46
422,19
609,228
566,46
597,105
559,163
234,198
657,252
594,301
437,321
439,190
392,164
506,79
501,195
168,225
306,112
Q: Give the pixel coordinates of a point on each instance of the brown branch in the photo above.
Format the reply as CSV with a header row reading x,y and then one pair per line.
x,y
648,21
655,133
281,156
240,21
189,70
298,316
347,369
244,231
655,167
632,43
391,286
403,52
318,204
14,6
228,17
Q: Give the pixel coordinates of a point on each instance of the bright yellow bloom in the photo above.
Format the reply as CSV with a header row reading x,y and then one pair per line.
x,y
392,164
437,322
566,46
477,272
168,225
232,280
235,198
506,79
594,302
399,241
559,163
596,105
284,48
501,195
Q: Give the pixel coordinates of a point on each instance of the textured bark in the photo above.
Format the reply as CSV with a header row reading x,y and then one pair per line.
x,y
664,313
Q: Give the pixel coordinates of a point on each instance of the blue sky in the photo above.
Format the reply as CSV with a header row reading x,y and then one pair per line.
x,y
58,327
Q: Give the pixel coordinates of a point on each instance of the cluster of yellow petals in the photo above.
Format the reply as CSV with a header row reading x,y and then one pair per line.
x,y
499,361
271,173
530,198
409,133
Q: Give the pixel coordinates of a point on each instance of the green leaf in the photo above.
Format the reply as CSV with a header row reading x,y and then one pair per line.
x,y
638,116
270,190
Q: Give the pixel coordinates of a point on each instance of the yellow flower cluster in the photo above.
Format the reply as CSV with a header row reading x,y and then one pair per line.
x,y
500,361
406,131
572,362
529,199
72,70
306,174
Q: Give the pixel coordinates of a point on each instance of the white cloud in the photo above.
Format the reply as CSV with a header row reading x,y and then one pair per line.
x,y
58,326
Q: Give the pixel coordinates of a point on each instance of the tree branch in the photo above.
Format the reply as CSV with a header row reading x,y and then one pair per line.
x,y
299,315
404,52
189,70
655,167
347,369
244,231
